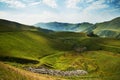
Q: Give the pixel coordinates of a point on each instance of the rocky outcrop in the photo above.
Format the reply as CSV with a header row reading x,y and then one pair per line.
x,y
57,72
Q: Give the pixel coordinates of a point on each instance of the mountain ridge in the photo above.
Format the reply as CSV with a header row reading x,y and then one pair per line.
x,y
58,26
6,25
103,29
108,29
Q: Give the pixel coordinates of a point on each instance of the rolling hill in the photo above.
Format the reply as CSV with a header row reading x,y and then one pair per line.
x,y
57,50
109,29
57,26
6,25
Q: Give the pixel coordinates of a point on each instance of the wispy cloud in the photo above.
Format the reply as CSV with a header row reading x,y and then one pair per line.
x,y
34,3
72,3
100,4
73,11
25,3
30,18
14,3
51,3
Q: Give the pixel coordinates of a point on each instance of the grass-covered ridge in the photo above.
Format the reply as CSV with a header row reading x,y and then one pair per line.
x,y
109,29
6,25
59,26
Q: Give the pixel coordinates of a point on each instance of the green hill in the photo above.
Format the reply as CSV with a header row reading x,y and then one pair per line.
x,y
24,44
57,50
108,29
6,25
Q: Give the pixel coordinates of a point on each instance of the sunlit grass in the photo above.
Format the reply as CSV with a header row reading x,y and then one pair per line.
x,y
12,73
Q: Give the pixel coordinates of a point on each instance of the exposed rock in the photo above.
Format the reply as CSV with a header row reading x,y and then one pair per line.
x,y
57,72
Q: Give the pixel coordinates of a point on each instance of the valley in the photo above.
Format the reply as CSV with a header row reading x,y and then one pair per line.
x,y
108,29
23,46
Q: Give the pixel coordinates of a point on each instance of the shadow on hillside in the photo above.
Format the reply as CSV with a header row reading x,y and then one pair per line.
x,y
18,60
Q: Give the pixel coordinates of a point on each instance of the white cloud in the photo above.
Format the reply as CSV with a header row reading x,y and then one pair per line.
x,y
96,5
14,3
34,3
72,3
47,16
25,3
2,14
51,3
29,18
64,15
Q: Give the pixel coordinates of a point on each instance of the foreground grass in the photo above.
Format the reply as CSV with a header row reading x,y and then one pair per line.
x,y
32,48
8,72
101,65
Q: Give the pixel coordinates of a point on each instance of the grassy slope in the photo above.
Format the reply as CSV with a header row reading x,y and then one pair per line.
x,y
56,51
12,73
30,44
99,64
35,46
24,44
108,29
107,66
6,25
113,24
100,51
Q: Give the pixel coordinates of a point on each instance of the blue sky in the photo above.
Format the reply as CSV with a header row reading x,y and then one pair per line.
x,y
71,11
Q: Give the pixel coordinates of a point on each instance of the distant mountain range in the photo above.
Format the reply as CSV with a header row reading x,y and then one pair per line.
x,y
110,29
58,26
105,29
